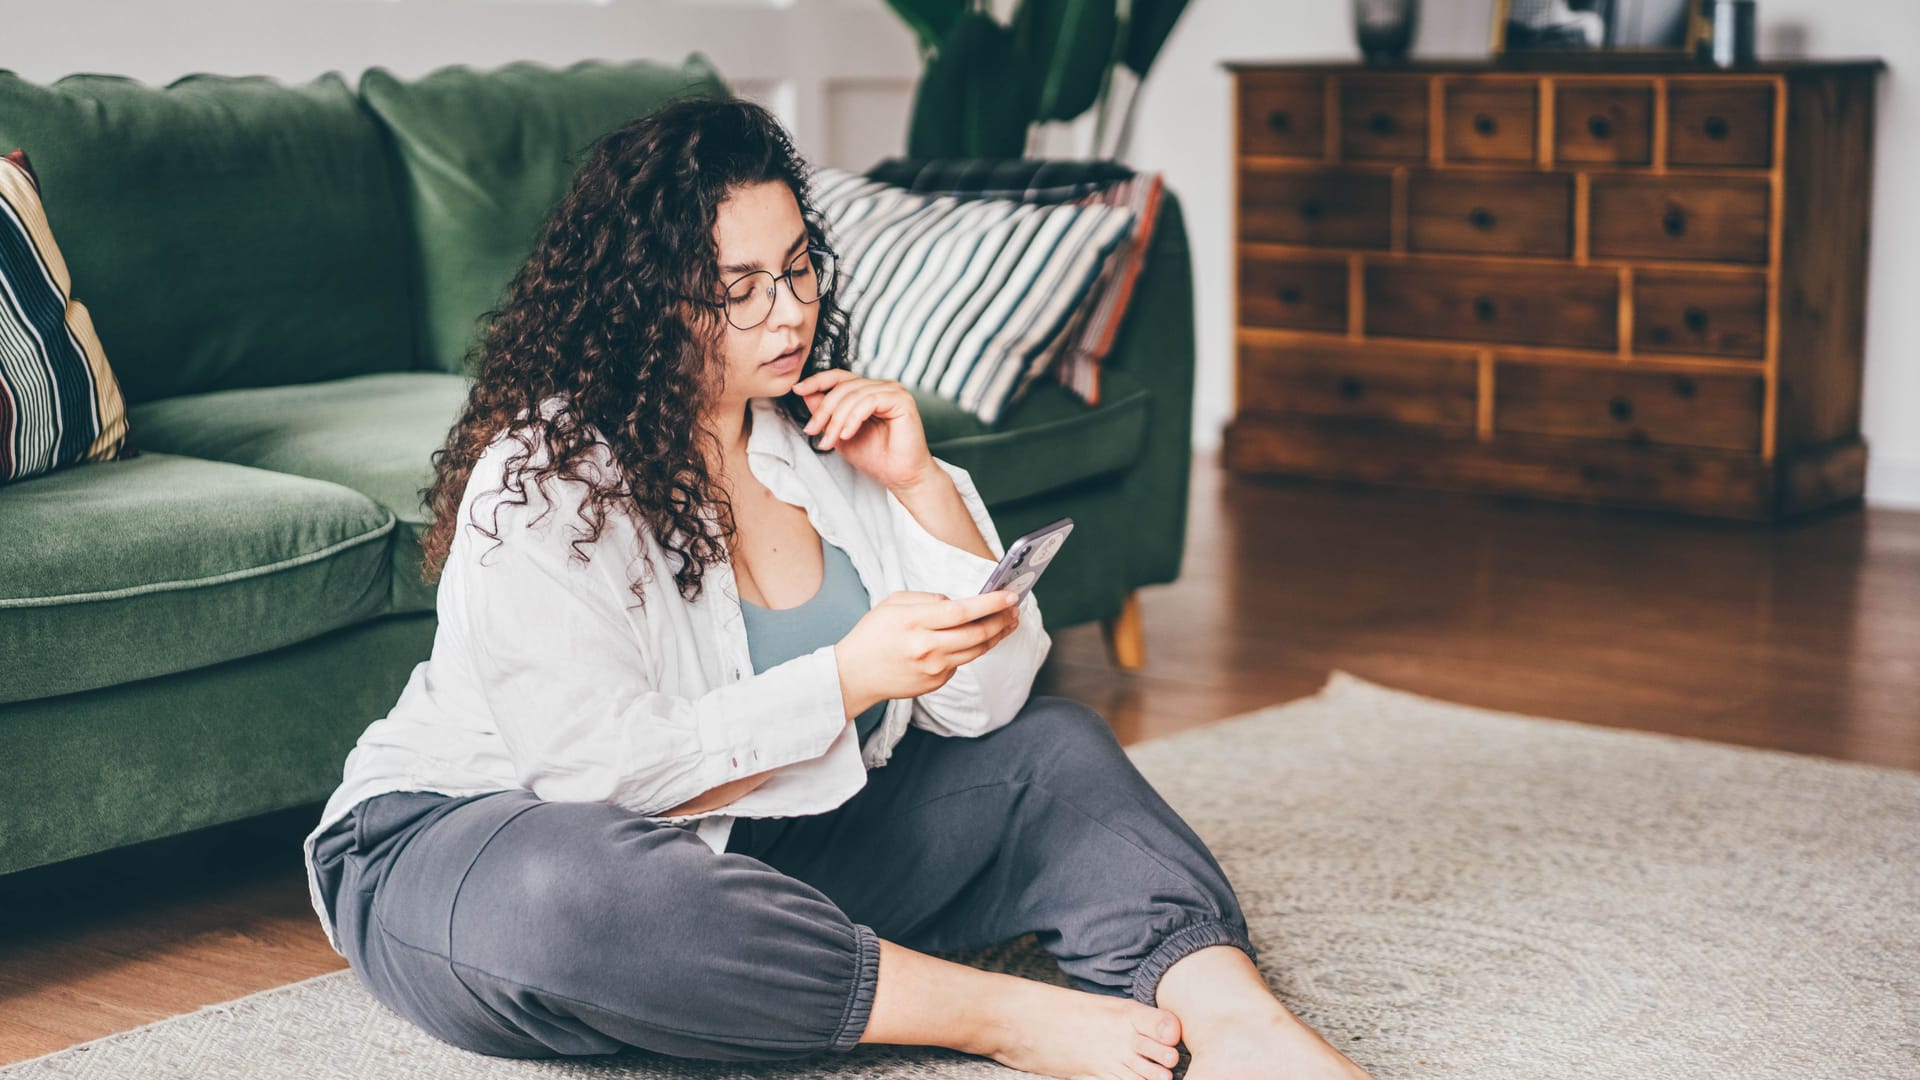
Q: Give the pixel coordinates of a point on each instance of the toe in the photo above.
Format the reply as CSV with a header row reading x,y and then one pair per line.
x,y
1147,1070
1159,1024
1154,1050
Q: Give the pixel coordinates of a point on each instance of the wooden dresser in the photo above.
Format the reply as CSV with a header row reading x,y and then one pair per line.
x,y
1635,283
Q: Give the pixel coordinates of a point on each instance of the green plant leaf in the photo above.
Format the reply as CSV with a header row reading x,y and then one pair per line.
x,y
972,100
1150,23
930,20
1066,47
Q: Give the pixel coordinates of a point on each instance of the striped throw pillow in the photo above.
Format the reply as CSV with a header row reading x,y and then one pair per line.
x,y
971,299
59,401
1040,180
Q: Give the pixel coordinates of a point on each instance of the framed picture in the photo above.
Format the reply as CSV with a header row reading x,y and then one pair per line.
x,y
1641,26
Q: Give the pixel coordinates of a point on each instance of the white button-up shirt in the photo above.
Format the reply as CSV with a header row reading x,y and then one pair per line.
x,y
546,674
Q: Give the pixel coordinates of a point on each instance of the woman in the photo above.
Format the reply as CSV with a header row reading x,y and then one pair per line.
x,y
718,812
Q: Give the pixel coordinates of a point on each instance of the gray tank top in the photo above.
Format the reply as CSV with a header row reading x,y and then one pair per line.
x,y
776,635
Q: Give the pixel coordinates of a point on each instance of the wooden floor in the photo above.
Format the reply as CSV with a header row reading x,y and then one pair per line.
x,y
1803,638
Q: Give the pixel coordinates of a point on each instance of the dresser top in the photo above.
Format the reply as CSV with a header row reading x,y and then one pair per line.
x,y
1551,61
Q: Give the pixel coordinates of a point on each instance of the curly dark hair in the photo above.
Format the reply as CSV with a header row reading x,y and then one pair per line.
x,y
596,314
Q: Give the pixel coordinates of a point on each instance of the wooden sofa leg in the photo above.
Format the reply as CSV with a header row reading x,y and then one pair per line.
x,y
1126,635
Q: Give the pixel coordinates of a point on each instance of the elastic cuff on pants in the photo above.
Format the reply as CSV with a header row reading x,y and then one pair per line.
x,y
1176,947
866,981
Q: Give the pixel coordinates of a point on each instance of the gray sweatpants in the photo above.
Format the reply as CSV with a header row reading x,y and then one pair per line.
x,y
514,926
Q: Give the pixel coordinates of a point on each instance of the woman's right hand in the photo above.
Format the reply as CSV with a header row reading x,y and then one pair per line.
x,y
910,643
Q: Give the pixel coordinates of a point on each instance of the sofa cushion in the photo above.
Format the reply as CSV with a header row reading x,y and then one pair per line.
x,y
59,401
377,433
373,433
227,231
116,571
487,154
1049,439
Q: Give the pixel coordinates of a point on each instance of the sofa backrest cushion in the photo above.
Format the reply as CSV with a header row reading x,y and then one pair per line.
x,y
487,154
229,231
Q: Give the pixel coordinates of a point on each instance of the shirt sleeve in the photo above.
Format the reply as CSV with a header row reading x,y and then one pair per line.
x,y
988,691
561,658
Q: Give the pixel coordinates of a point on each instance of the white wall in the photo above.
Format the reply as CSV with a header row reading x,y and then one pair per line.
x,y
840,73
1186,130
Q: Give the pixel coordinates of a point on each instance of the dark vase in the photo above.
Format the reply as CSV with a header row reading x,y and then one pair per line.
x,y
1385,28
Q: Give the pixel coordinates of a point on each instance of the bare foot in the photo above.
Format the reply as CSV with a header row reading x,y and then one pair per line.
x,y
1076,1035
1263,1046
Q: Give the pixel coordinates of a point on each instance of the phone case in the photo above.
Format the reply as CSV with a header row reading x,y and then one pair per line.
x,y
1027,558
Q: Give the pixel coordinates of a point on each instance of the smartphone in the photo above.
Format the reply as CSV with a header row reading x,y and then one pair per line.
x,y
1027,558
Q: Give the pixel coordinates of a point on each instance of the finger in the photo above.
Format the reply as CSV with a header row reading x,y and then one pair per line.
x,y
822,413
984,630
965,609
855,411
825,400
830,405
967,655
821,380
959,645
909,596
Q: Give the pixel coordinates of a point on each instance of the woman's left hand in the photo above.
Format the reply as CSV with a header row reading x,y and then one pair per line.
x,y
874,423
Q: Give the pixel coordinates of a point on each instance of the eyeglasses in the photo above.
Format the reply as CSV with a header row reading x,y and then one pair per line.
x,y
750,297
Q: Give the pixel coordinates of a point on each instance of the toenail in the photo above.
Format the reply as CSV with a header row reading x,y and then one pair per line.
x,y
1166,1029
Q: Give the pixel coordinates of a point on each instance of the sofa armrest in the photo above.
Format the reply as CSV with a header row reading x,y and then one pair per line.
x,y
1155,345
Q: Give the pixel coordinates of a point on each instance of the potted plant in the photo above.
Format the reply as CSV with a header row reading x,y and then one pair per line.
x,y
985,85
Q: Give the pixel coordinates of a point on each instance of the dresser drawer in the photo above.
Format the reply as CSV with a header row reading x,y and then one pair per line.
x,y
1496,122
1334,207
1298,294
1711,410
1574,306
1383,118
1283,114
1703,218
1710,314
1603,124
1719,125
1362,382
1495,213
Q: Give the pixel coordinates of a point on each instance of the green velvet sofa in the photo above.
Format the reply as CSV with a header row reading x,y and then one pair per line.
x,y
286,279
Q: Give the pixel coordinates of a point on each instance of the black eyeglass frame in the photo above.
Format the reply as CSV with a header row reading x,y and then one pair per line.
x,y
784,275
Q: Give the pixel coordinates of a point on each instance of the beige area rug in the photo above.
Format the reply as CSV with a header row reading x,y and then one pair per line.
x,y
1440,890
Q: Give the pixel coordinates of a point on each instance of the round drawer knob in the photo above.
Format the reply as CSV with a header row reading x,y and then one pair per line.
x,y
1683,386
1695,319
1280,121
1599,127
1715,127
1483,308
1481,218
1674,221
1380,123
1312,210
1484,124
1620,409
1350,387
1290,295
